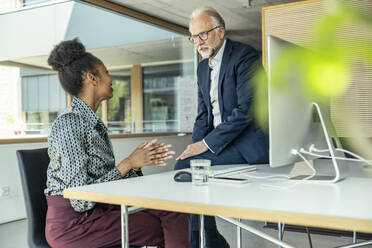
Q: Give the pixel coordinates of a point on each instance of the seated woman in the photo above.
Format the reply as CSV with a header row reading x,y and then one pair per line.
x,y
81,153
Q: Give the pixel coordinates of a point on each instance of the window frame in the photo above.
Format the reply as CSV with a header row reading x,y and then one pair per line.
x,y
136,87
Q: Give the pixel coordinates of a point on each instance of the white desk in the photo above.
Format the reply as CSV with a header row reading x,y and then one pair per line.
x,y
346,205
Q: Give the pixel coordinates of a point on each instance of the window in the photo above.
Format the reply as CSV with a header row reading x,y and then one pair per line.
x,y
119,120
38,123
161,94
146,63
32,2
42,100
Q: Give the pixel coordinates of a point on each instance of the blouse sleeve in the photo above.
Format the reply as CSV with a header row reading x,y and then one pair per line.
x,y
68,152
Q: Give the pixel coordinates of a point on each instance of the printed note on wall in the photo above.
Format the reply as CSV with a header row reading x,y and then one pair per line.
x,y
187,102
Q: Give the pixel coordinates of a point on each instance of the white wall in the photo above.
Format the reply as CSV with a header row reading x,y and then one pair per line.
x,y
48,25
12,207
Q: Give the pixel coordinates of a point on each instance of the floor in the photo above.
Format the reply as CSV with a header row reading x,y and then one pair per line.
x,y
13,235
295,239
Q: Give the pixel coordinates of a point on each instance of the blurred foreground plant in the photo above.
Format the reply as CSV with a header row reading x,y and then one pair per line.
x,y
326,68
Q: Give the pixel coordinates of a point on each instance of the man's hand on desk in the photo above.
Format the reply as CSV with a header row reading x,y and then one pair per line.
x,y
193,150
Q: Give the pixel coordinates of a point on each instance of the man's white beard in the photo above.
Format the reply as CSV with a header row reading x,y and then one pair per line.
x,y
211,49
206,54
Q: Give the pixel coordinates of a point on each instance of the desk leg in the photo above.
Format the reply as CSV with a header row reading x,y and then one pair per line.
x,y
239,235
361,244
202,240
124,227
280,231
257,232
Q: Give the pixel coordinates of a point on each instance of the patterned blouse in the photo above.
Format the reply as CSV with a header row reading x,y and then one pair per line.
x,y
80,153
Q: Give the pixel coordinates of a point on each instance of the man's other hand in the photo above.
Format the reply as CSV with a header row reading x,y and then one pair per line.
x,y
193,150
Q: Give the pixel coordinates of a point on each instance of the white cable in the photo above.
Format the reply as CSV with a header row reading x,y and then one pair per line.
x,y
339,158
355,155
269,177
356,159
295,152
291,183
312,148
273,177
320,155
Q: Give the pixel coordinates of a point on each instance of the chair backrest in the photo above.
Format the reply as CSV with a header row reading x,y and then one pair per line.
x,y
33,166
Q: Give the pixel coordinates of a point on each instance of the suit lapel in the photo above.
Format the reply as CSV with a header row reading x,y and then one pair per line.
x,y
208,90
206,86
223,68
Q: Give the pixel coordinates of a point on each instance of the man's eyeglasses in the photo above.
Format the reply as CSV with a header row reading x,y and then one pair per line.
x,y
202,35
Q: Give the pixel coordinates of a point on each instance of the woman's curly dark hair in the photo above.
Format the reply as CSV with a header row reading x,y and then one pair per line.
x,y
71,61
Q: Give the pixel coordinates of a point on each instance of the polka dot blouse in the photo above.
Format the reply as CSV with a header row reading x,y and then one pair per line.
x,y
80,153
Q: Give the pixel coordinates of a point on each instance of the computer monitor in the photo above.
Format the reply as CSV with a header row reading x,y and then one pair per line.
x,y
296,121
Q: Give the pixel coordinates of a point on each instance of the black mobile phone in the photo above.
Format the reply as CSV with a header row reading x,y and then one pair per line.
x,y
229,180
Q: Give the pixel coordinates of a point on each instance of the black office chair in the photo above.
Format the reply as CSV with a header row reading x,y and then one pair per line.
x,y
33,166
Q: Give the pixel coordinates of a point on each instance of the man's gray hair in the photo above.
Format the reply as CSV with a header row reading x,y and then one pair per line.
x,y
212,12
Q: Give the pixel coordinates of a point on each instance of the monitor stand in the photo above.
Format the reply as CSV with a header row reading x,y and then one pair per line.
x,y
324,178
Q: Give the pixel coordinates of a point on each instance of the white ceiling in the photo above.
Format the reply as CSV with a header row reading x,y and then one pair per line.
x,y
243,22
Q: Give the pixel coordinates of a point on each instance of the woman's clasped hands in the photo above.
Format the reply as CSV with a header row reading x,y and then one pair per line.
x,y
147,153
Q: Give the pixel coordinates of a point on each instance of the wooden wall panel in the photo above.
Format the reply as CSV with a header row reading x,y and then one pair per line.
x,y
136,97
352,113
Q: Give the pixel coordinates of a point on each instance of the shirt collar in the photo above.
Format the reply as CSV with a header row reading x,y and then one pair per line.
x,y
87,112
216,60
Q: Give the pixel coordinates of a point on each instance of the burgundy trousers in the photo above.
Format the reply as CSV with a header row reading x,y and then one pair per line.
x,y
101,227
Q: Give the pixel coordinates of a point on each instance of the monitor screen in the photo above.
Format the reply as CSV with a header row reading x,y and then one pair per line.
x,y
293,122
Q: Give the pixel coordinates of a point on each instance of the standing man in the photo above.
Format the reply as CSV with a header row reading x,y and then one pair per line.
x,y
224,130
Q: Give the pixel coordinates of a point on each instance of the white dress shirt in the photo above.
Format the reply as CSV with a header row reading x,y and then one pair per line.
x,y
215,65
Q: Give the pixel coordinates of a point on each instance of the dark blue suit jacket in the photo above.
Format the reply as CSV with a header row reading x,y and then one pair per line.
x,y
235,96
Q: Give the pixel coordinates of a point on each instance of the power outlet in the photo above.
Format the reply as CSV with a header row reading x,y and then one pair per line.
x,y
5,191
